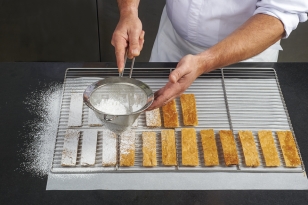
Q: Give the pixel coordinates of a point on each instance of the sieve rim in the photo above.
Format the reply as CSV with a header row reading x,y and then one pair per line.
x,y
118,80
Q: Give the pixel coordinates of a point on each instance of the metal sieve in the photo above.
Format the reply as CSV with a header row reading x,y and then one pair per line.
x,y
118,101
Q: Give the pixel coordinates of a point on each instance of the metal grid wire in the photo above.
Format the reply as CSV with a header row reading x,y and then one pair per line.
x,y
227,99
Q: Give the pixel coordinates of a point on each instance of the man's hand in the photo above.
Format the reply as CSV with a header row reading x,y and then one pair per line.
x,y
128,33
185,73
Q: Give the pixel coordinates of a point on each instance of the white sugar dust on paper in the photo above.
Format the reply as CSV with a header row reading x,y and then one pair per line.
x,y
38,152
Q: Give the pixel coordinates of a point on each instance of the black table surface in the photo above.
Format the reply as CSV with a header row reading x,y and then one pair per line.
x,y
17,80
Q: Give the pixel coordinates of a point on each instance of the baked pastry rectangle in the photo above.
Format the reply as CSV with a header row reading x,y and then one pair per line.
x,y
127,148
109,151
168,147
268,147
189,147
88,147
228,147
209,146
75,113
289,149
189,109
249,148
170,114
149,149
153,118
70,147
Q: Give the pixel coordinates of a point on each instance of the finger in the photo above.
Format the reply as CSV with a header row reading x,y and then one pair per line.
x,y
141,40
177,73
134,49
165,95
120,49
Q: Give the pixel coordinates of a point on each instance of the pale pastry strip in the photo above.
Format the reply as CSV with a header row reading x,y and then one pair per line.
x,y
88,147
153,118
209,147
149,149
170,115
75,113
189,147
70,147
168,147
109,152
228,147
289,149
127,148
268,147
249,148
189,109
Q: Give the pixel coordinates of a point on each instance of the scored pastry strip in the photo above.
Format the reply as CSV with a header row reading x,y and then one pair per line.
x,y
289,149
209,146
88,147
170,115
189,109
168,147
269,149
228,147
149,149
75,112
189,147
249,148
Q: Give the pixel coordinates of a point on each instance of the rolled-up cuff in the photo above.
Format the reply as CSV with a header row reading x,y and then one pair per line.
x,y
289,20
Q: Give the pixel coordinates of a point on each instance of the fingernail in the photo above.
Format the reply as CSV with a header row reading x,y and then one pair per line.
x,y
135,52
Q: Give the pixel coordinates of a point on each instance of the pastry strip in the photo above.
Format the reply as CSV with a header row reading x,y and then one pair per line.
x,y
149,149
168,147
228,147
209,147
289,149
249,148
189,110
88,147
153,118
109,152
127,148
189,147
170,114
268,147
75,113
70,147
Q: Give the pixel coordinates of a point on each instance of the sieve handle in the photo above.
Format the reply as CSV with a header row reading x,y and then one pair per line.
x,y
108,119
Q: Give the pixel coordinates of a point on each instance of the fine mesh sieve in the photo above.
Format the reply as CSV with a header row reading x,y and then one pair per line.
x,y
118,101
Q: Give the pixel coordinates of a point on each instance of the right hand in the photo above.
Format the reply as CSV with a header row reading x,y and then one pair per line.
x,y
128,33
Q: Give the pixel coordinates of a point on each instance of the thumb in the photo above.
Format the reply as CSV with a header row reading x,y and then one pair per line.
x,y
176,74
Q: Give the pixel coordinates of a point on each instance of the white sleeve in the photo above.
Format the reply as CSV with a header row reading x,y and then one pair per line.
x,y
290,12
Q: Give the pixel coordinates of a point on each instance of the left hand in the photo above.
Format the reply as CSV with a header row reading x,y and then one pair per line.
x,y
185,73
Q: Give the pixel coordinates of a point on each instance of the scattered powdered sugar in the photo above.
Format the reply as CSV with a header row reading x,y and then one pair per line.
x,y
112,106
38,151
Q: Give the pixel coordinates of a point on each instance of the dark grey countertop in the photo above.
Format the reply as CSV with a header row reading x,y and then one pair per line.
x,y
20,187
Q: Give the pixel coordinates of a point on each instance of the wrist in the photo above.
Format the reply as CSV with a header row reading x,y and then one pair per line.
x,y
205,61
128,11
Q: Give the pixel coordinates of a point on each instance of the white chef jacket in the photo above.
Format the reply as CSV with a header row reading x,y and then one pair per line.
x,y
206,22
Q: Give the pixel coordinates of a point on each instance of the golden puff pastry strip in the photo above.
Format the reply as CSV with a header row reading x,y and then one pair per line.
x,y
127,148
149,149
189,147
189,109
170,115
153,118
289,149
228,147
249,148
168,147
209,147
268,147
